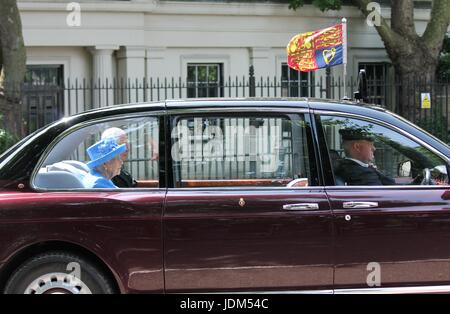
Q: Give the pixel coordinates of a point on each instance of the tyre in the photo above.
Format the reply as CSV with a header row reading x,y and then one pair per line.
x,y
58,273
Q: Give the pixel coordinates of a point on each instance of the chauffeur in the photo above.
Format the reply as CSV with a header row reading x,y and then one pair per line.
x,y
358,168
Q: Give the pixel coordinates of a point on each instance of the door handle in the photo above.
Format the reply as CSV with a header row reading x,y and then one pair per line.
x,y
302,206
360,204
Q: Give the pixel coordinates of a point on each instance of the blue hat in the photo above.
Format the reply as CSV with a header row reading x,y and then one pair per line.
x,y
103,151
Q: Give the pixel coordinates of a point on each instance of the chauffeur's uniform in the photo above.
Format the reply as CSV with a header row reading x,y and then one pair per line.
x,y
356,173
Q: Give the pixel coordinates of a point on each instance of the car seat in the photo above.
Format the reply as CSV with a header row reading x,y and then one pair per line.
x,y
335,159
67,174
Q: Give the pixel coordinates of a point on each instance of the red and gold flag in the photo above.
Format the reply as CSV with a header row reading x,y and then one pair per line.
x,y
319,49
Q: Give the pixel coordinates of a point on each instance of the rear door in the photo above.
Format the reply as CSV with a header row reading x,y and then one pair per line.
x,y
121,225
246,211
389,236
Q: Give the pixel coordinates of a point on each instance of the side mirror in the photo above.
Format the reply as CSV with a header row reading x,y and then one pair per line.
x,y
361,94
404,169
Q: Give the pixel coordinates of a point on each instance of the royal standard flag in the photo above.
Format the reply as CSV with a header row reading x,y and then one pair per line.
x,y
315,50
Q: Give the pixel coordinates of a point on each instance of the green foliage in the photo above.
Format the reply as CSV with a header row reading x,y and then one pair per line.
x,y
435,124
295,4
6,140
323,5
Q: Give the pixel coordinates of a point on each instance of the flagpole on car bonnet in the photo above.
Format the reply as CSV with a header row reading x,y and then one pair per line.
x,y
344,54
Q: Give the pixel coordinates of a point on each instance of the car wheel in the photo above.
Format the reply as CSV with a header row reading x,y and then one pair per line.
x,y
58,273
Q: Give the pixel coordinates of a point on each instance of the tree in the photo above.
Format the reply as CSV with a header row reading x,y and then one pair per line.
x,y
12,67
444,62
412,55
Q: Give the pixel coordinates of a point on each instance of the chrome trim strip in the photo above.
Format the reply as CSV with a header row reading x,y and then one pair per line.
x,y
281,110
378,290
226,110
247,188
276,292
397,290
387,125
385,187
75,128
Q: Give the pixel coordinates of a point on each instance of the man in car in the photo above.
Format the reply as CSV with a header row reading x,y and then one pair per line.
x,y
358,167
124,179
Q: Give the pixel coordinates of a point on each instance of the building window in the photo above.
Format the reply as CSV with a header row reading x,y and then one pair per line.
x,y
295,83
43,95
377,81
204,80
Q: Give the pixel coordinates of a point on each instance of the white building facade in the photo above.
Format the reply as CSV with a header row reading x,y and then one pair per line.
x,y
149,40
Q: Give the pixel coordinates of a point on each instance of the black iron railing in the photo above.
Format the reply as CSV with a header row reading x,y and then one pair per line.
x,y
45,103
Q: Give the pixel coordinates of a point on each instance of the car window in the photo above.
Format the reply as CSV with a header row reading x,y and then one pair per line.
x,y
365,153
220,151
119,153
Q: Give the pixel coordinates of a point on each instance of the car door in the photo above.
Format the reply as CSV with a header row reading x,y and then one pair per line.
x,y
232,221
388,236
122,226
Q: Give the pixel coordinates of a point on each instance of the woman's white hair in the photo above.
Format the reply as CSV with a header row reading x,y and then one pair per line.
x,y
114,133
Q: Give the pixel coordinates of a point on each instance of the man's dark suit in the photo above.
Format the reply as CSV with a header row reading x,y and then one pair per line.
x,y
353,173
124,180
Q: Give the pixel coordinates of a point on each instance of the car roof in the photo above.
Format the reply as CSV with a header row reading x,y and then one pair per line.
x,y
236,102
193,103
302,102
313,103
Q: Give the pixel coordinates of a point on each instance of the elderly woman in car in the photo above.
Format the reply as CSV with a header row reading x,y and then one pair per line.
x,y
105,163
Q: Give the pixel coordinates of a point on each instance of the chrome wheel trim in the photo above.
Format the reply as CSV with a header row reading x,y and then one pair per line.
x,y
57,283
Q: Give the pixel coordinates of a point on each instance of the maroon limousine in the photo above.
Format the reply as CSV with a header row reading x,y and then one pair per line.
x,y
226,195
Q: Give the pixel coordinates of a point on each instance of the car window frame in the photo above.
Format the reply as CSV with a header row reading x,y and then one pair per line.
x,y
175,114
158,114
327,169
